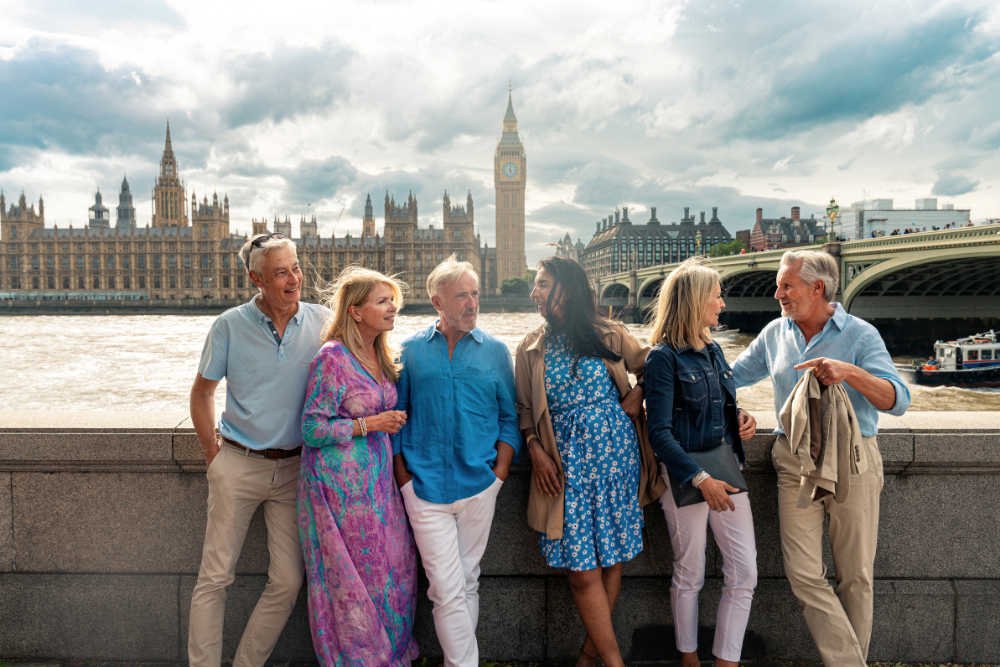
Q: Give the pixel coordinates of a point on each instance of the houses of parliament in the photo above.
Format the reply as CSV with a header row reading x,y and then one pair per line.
x,y
188,250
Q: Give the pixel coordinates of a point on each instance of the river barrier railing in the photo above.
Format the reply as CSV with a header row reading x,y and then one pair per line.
x,y
102,518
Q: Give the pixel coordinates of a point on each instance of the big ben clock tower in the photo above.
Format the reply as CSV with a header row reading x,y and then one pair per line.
x,y
510,167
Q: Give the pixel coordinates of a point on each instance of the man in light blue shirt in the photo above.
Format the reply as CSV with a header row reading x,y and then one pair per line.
x,y
819,335
453,453
263,349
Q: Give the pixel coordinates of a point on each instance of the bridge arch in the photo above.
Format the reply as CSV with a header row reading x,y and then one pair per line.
x,y
750,291
649,291
615,295
962,286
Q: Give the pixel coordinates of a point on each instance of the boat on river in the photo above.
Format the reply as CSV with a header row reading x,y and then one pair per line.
x,y
973,361
721,331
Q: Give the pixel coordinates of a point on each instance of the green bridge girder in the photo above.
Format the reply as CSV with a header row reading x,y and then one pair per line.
x,y
914,275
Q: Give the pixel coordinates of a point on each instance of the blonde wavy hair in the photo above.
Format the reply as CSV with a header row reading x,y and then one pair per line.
x,y
352,288
680,306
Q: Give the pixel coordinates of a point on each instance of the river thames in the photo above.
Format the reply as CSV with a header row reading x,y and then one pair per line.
x,y
147,362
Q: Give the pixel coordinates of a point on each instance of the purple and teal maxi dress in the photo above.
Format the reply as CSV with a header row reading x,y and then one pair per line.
x,y
361,560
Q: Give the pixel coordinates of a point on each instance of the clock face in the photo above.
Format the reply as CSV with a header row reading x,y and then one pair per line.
x,y
509,170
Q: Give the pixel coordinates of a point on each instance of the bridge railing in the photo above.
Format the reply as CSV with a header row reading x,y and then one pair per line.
x,y
961,234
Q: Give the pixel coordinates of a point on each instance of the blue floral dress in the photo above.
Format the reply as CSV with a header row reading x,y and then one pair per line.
x,y
600,457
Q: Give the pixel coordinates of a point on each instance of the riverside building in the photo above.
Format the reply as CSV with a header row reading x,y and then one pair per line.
x,y
618,245
771,233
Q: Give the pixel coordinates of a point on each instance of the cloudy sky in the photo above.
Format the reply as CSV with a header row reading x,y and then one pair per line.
x,y
306,106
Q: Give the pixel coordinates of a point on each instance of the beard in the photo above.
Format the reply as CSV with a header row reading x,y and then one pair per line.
x,y
459,322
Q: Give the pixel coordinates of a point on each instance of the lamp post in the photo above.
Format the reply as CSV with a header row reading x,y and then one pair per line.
x,y
831,212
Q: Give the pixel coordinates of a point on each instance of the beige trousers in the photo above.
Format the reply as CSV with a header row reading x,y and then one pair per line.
x,y
840,620
237,484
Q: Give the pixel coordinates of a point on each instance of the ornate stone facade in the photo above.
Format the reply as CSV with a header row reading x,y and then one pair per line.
x,y
510,174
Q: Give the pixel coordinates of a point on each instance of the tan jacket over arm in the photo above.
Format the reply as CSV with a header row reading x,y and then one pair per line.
x,y
546,514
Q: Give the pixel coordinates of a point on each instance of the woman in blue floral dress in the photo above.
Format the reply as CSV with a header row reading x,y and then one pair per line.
x,y
585,432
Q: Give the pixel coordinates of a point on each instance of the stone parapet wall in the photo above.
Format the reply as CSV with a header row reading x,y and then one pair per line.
x,y
102,517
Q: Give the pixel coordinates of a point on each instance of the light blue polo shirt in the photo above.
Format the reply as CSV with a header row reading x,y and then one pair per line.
x,y
265,380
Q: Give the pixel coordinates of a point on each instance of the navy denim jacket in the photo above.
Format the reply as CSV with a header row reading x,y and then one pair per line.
x,y
684,406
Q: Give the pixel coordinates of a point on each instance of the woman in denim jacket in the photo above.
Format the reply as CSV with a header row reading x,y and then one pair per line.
x,y
691,407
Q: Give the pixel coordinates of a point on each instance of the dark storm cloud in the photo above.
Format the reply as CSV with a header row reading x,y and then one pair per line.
x,y
950,184
867,71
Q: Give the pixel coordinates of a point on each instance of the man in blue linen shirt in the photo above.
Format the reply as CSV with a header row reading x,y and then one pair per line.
x,y
817,334
263,349
453,453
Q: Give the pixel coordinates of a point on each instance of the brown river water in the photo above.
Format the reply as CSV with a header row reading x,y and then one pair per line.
x,y
147,362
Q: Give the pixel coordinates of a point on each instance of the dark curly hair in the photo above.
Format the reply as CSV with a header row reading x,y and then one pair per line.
x,y
582,318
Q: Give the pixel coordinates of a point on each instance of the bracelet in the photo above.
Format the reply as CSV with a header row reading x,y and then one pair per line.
x,y
699,478
533,435
364,429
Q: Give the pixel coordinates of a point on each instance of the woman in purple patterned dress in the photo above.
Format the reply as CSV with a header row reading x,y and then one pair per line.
x,y
361,562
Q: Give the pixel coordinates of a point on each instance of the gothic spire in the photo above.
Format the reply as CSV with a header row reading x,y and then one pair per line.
x,y
168,149
509,116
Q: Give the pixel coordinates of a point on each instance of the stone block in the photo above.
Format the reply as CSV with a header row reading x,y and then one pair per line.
x,y
657,556
117,522
90,421
896,449
978,622
513,546
295,642
953,448
951,422
758,450
893,424
777,629
101,446
89,617
914,620
938,526
187,451
6,525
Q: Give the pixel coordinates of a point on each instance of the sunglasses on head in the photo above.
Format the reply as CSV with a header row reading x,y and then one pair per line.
x,y
260,240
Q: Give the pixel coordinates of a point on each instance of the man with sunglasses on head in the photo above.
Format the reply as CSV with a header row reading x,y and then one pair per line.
x,y
263,349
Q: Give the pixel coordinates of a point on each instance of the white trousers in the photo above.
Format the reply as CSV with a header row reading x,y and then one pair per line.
x,y
451,539
689,536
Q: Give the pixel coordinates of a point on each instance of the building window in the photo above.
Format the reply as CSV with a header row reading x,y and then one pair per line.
x,y
457,235
126,261
239,282
398,235
65,263
13,233
79,263
80,284
187,282
187,261
206,282
111,282
173,282
142,282
95,263
34,282
140,262
225,261
15,282
34,261
97,282
204,231
156,282
127,282
172,261
225,282
13,263
156,261
400,256
111,261
204,261
65,282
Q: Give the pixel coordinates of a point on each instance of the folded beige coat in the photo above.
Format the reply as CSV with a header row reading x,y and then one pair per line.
x,y
823,432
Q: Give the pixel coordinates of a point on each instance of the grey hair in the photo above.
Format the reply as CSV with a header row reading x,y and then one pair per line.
x,y
448,272
254,261
815,266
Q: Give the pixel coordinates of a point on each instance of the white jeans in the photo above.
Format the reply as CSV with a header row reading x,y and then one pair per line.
x,y
452,539
689,536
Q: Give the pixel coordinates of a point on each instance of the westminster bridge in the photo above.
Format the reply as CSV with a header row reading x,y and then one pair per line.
x,y
943,279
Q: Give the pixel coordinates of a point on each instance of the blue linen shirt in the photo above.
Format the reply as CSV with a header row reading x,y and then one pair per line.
x,y
456,411
781,346
265,380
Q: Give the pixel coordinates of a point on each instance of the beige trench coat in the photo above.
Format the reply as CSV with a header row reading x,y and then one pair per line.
x,y
545,514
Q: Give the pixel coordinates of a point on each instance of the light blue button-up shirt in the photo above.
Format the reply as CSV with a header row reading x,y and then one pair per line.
x,y
265,380
781,346
456,410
